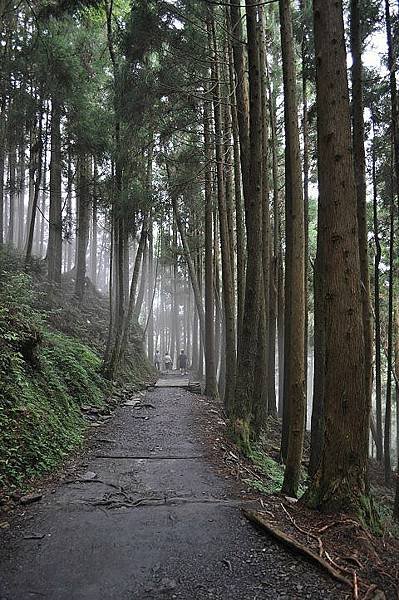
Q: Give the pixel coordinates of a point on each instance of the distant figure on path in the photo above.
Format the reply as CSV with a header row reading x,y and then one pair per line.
x,y
183,363
168,361
157,360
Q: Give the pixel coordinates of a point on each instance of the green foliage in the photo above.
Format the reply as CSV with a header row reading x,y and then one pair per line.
x,y
272,471
45,378
387,523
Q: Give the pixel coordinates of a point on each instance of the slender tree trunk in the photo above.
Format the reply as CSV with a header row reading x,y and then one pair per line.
x,y
396,502
377,260
239,208
294,380
225,241
359,157
54,249
132,294
305,131
21,189
82,238
388,400
210,358
40,244
151,290
69,214
2,164
190,265
12,160
274,252
143,282
94,231
261,392
38,160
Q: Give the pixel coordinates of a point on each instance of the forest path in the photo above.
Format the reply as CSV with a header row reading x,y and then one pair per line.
x,y
151,519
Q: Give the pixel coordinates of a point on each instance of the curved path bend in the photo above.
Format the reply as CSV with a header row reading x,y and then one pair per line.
x,y
145,515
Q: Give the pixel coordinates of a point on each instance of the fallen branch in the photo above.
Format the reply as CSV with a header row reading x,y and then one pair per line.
x,y
258,519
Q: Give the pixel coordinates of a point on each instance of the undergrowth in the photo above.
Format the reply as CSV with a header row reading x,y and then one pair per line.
x,y
271,472
45,377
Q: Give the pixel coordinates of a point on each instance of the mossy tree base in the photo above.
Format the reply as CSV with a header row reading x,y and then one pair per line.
x,y
341,496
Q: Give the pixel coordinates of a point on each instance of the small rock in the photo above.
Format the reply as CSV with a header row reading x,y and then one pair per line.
x,y
167,585
131,402
30,498
4,525
89,475
291,500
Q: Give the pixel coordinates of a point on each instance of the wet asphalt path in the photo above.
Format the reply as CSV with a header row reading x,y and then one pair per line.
x,y
157,521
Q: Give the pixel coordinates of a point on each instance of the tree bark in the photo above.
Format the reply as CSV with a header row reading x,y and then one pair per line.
x,y
211,388
83,216
54,248
38,160
359,157
225,241
294,378
377,311
248,344
341,480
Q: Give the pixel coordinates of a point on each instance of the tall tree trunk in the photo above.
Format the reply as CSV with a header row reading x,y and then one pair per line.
x,y
151,290
83,216
36,167
2,163
54,248
120,351
294,379
261,393
340,482
319,349
377,260
274,254
94,230
388,400
69,213
210,358
239,208
304,4
248,344
190,265
242,97
21,189
40,241
359,157
143,282
12,160
225,241
396,502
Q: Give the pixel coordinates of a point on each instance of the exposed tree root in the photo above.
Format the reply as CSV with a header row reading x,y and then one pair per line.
x,y
258,519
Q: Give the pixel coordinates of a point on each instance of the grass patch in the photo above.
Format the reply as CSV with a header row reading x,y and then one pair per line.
x,y
271,471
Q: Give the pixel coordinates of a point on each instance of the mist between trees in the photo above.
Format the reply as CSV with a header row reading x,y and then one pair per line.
x,y
218,172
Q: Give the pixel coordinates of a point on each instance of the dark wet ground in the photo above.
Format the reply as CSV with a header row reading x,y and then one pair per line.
x,y
157,521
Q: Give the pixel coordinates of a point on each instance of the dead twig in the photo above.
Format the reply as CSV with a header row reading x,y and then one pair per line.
x,y
355,587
